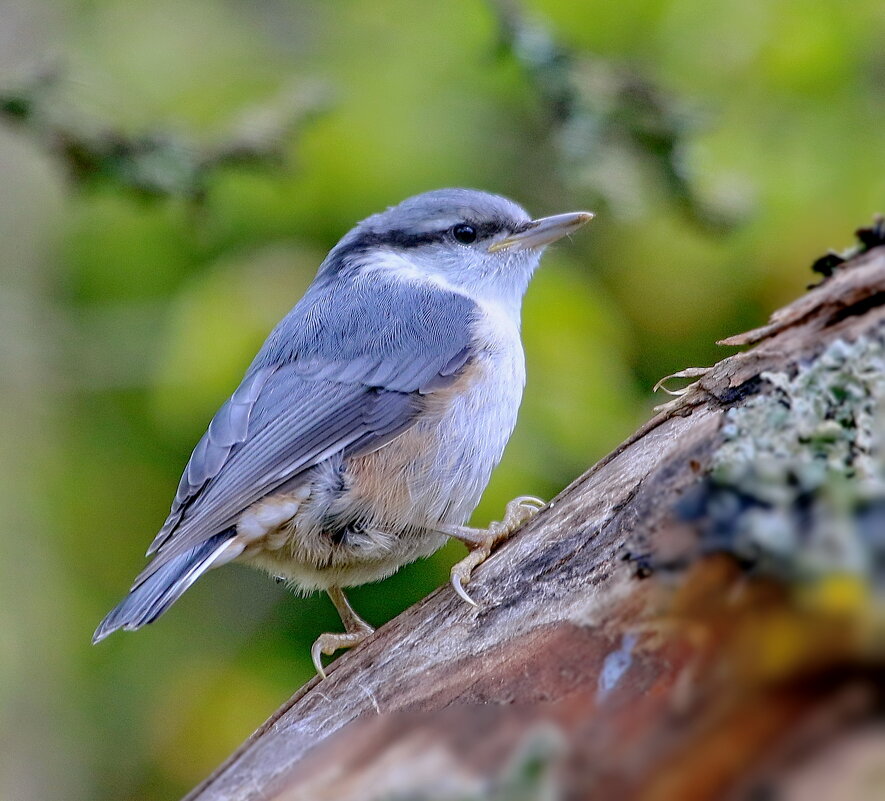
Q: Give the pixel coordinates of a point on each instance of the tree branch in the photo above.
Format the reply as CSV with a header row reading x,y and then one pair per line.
x,y
634,640
159,163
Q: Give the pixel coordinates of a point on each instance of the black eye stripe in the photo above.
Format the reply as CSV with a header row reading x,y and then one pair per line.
x,y
487,229
406,239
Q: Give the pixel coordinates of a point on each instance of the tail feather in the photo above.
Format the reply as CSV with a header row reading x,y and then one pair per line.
x,y
148,600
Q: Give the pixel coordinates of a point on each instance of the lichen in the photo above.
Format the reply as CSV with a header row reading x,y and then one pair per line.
x,y
798,484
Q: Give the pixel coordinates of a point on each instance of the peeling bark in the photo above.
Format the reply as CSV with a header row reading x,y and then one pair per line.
x,y
615,653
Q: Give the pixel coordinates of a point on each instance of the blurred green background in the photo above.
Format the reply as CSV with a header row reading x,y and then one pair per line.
x,y
171,175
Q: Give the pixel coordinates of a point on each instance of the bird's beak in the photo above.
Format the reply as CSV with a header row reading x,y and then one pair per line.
x,y
544,231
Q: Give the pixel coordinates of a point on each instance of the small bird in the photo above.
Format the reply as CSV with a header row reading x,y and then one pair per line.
x,y
367,427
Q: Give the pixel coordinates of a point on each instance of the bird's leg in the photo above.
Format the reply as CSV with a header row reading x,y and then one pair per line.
x,y
481,541
355,627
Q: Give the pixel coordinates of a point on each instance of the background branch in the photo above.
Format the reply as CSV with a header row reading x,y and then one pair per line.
x,y
158,163
608,122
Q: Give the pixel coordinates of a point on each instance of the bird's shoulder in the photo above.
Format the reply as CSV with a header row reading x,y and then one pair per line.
x,y
371,315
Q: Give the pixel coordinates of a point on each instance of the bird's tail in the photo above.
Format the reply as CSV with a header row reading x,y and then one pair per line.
x,y
152,596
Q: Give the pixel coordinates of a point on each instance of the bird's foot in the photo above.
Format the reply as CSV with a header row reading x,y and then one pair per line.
x,y
356,630
329,643
482,541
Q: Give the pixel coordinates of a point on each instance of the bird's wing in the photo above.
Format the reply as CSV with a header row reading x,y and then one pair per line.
x,y
342,373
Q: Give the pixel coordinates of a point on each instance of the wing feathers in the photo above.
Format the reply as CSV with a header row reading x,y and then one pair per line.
x,y
229,427
342,373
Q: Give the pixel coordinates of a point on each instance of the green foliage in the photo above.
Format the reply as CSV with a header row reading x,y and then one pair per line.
x,y
169,188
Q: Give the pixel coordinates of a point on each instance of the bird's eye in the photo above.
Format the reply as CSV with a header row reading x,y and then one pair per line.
x,y
464,233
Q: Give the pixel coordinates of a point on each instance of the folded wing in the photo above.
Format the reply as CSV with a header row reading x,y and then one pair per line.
x,y
344,372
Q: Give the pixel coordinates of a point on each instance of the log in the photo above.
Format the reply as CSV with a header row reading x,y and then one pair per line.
x,y
651,634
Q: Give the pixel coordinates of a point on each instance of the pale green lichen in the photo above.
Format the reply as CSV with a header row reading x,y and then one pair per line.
x,y
799,481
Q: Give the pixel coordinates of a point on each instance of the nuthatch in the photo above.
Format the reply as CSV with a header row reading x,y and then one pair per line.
x,y
369,423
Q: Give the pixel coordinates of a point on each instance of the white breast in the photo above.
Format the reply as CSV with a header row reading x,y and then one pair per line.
x,y
477,425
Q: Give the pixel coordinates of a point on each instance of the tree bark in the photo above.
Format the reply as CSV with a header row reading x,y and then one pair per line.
x,y
623,648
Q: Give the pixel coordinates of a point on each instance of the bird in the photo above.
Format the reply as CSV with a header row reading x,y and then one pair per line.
x,y
368,425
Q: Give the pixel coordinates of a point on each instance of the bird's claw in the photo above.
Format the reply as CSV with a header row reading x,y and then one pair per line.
x,y
329,643
520,510
516,513
461,572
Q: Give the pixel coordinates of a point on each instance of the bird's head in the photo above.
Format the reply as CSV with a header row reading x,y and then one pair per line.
x,y
480,244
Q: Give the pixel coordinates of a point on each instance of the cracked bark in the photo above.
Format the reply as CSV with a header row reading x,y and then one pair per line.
x,y
590,670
